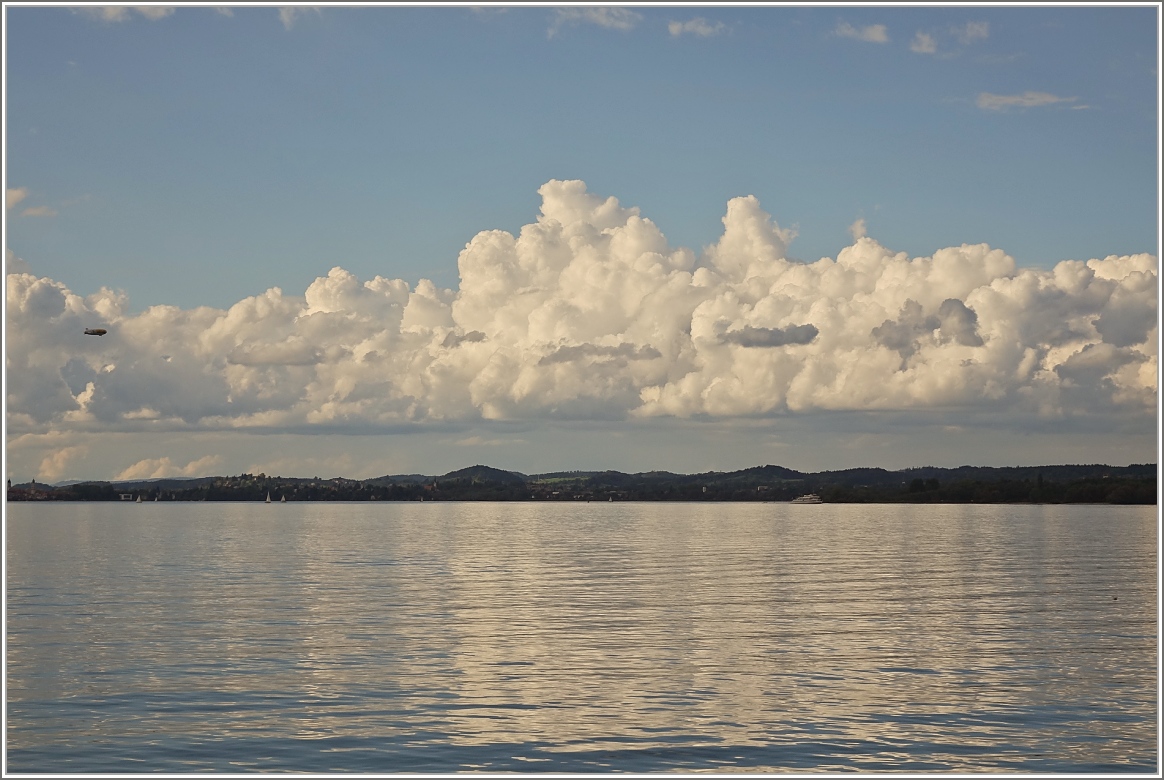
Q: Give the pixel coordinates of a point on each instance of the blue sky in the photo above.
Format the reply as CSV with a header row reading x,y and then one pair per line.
x,y
964,171
198,158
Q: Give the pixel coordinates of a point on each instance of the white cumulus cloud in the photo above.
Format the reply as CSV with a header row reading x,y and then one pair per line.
x,y
56,464
587,313
157,468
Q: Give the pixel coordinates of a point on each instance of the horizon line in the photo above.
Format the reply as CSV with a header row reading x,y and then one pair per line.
x,y
264,475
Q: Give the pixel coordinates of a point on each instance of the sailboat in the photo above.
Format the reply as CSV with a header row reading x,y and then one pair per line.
x,y
139,499
283,500
268,498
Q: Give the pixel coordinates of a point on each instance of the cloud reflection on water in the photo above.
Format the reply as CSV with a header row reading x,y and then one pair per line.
x,y
583,637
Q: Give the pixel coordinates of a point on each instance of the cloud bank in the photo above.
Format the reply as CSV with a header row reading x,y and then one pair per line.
x,y
159,468
586,314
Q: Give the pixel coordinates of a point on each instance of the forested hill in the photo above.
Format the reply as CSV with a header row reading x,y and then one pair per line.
x,y
1135,484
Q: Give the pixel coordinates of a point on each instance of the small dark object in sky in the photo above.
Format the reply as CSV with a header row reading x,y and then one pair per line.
x,y
95,331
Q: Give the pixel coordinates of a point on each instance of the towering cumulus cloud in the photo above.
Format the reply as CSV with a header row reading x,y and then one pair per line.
x,y
589,313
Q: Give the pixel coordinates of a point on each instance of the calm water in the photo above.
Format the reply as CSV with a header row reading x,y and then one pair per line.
x,y
580,637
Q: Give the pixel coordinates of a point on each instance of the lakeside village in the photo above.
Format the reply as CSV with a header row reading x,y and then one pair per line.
x,y
1066,484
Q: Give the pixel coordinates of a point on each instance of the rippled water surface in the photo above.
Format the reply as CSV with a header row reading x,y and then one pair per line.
x,y
580,637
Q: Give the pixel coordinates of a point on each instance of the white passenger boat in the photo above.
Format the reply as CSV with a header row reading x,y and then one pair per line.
x,y
808,498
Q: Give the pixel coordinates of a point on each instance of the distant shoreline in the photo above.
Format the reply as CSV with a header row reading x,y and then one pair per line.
x,y
1056,484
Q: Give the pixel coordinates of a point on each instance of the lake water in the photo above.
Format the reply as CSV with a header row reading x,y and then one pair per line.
x,y
568,637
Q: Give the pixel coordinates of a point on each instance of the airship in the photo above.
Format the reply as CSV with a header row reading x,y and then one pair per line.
x,y
95,331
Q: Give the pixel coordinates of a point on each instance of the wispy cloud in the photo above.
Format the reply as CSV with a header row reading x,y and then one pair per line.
x,y
14,196
224,10
109,13
289,14
857,229
325,466
154,12
121,13
928,42
971,31
697,26
988,101
39,211
480,441
873,33
923,43
603,16
14,264
998,59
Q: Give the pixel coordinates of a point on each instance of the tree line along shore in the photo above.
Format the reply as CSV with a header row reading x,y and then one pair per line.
x,y
1064,484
